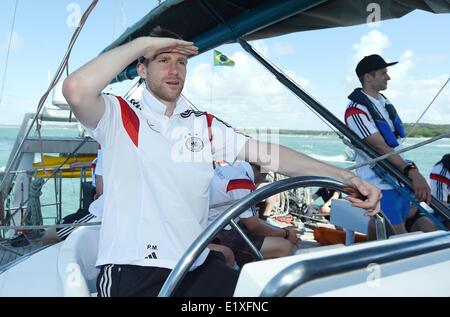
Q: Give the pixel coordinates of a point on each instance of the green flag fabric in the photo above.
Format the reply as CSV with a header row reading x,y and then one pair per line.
x,y
221,59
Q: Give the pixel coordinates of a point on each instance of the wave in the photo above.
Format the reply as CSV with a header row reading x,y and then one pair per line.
x,y
336,158
304,136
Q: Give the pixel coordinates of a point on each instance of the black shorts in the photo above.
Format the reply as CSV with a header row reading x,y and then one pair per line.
x,y
81,216
212,278
240,248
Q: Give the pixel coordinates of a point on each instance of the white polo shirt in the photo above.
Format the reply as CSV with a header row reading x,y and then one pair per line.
x,y
440,182
361,122
230,183
157,171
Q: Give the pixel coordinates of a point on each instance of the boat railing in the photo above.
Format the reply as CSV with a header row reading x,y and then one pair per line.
x,y
19,171
295,276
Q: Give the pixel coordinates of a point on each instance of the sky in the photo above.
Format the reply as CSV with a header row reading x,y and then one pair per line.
x,y
322,62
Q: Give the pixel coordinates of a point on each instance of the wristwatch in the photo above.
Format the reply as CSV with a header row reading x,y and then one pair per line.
x,y
409,166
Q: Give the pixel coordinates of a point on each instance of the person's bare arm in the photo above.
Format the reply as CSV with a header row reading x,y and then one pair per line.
x,y
83,88
421,189
327,203
288,162
270,203
258,227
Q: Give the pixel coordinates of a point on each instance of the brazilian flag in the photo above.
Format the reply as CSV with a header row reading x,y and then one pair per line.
x,y
221,59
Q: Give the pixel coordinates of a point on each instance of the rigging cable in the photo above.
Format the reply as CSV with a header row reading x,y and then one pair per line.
x,y
9,50
52,85
63,66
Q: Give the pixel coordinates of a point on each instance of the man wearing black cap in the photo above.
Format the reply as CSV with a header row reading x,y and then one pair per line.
x,y
373,117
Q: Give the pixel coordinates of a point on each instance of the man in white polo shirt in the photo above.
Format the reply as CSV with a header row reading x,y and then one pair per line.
x,y
157,168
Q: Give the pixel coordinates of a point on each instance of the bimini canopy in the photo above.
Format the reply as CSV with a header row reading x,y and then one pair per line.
x,y
210,23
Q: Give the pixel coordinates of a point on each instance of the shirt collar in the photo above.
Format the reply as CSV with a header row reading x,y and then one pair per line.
x,y
149,101
380,101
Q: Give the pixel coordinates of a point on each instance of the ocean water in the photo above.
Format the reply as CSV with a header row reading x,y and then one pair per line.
x,y
326,148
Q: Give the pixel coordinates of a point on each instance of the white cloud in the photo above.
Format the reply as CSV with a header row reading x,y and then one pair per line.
x,y
414,95
17,42
411,94
246,95
372,43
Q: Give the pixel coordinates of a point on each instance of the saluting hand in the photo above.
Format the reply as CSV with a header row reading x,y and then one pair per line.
x,y
158,45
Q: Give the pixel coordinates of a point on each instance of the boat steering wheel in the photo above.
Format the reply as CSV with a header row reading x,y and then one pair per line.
x,y
197,247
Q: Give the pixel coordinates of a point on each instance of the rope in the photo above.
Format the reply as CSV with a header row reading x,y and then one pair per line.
x,y
33,214
8,52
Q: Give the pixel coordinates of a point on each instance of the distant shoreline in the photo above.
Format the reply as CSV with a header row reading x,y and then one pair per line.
x,y
285,131
423,130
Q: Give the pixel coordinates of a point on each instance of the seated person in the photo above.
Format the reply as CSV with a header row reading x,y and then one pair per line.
x,y
440,183
327,196
55,235
231,183
266,206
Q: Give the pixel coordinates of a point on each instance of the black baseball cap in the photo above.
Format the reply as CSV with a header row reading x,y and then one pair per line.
x,y
371,63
